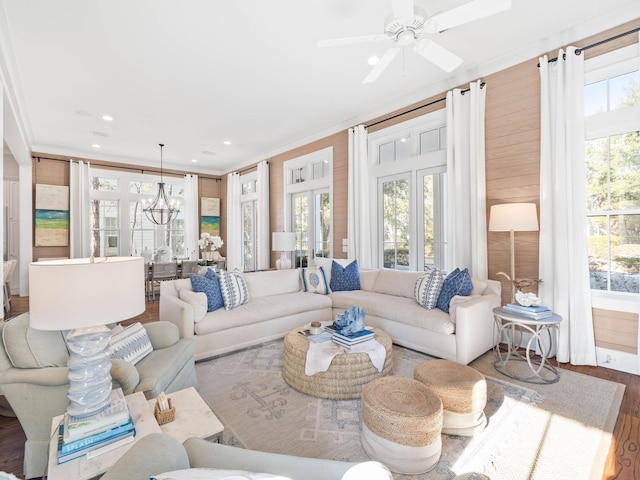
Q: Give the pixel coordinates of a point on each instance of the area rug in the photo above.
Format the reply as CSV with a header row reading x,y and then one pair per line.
x,y
559,431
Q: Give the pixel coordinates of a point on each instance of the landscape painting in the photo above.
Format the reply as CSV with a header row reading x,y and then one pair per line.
x,y
210,216
52,216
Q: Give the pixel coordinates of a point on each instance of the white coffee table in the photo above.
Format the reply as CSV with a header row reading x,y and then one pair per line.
x,y
194,418
81,468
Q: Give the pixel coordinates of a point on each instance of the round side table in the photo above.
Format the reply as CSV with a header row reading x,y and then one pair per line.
x,y
509,328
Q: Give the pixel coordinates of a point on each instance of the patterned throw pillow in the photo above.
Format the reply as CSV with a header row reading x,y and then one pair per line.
x,y
428,288
345,278
234,289
131,344
457,282
314,280
210,286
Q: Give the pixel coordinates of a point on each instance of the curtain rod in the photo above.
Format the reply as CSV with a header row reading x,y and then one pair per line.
x,y
418,108
597,44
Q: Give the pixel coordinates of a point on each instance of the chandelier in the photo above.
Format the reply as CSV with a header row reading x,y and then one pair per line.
x,y
162,209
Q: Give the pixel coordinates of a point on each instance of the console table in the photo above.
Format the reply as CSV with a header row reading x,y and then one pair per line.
x,y
509,329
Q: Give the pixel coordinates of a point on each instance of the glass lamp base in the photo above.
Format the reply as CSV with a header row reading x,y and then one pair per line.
x,y
89,370
283,262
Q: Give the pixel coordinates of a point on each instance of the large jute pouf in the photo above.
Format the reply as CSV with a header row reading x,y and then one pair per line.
x,y
402,423
463,391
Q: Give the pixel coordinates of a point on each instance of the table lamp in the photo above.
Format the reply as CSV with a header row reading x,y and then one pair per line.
x,y
513,217
83,295
283,242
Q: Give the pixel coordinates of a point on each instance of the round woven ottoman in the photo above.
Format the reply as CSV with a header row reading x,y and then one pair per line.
x,y
463,392
401,424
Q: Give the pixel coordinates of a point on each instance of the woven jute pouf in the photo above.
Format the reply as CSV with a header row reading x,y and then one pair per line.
x,y
402,423
463,391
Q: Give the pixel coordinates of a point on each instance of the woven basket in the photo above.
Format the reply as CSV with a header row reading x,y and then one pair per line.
x,y
165,416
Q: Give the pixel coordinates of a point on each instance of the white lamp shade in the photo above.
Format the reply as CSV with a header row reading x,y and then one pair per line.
x,y
519,217
75,293
283,242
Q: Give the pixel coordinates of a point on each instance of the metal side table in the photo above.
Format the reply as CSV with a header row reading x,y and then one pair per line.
x,y
509,329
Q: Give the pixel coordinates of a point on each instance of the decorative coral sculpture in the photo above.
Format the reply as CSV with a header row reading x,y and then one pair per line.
x,y
350,321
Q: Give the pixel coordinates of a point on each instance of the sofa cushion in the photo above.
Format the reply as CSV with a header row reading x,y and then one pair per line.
x,y
273,282
27,347
396,282
234,289
131,344
344,278
198,301
428,287
210,286
392,307
314,280
457,282
215,474
368,279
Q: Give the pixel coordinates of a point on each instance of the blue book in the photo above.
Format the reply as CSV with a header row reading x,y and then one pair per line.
x,y
532,309
362,334
82,443
96,447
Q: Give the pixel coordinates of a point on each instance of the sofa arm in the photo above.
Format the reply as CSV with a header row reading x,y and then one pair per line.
x,y
49,377
474,327
178,312
124,375
162,334
152,454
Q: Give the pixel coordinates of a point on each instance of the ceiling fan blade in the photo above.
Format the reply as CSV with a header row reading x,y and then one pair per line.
x,y
437,54
349,40
468,12
381,65
402,9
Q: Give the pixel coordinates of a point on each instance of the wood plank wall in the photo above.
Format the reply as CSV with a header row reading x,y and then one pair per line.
x,y
512,167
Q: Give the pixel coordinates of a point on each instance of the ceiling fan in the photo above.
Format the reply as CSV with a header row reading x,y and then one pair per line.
x,y
410,25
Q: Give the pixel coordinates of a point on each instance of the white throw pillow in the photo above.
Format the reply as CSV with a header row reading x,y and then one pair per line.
x,y
428,287
234,289
198,300
314,280
215,474
131,344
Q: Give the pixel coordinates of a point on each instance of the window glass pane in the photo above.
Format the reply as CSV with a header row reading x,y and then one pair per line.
x,y
248,235
300,227
625,253
387,152
595,98
624,153
142,230
623,90
395,223
322,225
249,187
104,226
141,187
597,168
403,149
318,170
598,251
428,221
430,141
104,184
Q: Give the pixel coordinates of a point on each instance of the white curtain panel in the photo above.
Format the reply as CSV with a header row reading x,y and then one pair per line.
x,y
80,210
563,263
358,200
466,193
234,223
263,230
191,217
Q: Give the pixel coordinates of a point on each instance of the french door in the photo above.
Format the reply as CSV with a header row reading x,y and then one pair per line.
x,y
311,222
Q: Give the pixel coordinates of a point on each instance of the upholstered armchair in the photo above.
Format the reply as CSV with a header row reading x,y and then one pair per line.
x,y
33,377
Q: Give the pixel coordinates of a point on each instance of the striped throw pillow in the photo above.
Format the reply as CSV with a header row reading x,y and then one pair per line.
x,y
131,344
234,289
428,287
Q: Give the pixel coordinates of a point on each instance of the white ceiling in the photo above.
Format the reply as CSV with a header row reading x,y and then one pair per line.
x,y
195,73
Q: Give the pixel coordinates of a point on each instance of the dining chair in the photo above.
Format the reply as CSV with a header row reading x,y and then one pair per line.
x,y
161,271
188,267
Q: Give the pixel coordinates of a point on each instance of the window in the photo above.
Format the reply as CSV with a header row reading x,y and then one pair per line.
x,y
308,189
409,168
612,161
118,224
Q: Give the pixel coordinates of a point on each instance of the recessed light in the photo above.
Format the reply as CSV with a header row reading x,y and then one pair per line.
x,y
404,139
227,142
373,60
194,160
107,118
95,145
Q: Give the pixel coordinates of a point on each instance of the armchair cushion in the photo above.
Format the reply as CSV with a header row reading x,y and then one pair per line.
x,y
162,334
27,347
124,375
131,344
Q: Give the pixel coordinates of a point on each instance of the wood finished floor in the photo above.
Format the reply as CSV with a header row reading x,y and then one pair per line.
x,y
623,461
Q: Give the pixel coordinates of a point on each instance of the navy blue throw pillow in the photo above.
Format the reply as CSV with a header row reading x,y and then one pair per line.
x,y
210,285
457,282
344,278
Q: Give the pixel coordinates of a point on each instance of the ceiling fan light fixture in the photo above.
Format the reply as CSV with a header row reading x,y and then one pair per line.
x,y
162,209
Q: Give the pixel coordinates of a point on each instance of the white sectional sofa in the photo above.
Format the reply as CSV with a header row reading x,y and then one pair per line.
x,y
277,304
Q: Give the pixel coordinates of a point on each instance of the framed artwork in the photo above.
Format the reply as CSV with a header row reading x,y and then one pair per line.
x,y
52,216
210,215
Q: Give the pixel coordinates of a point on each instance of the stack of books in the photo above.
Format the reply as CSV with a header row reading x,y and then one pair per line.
x,y
96,434
536,313
356,338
